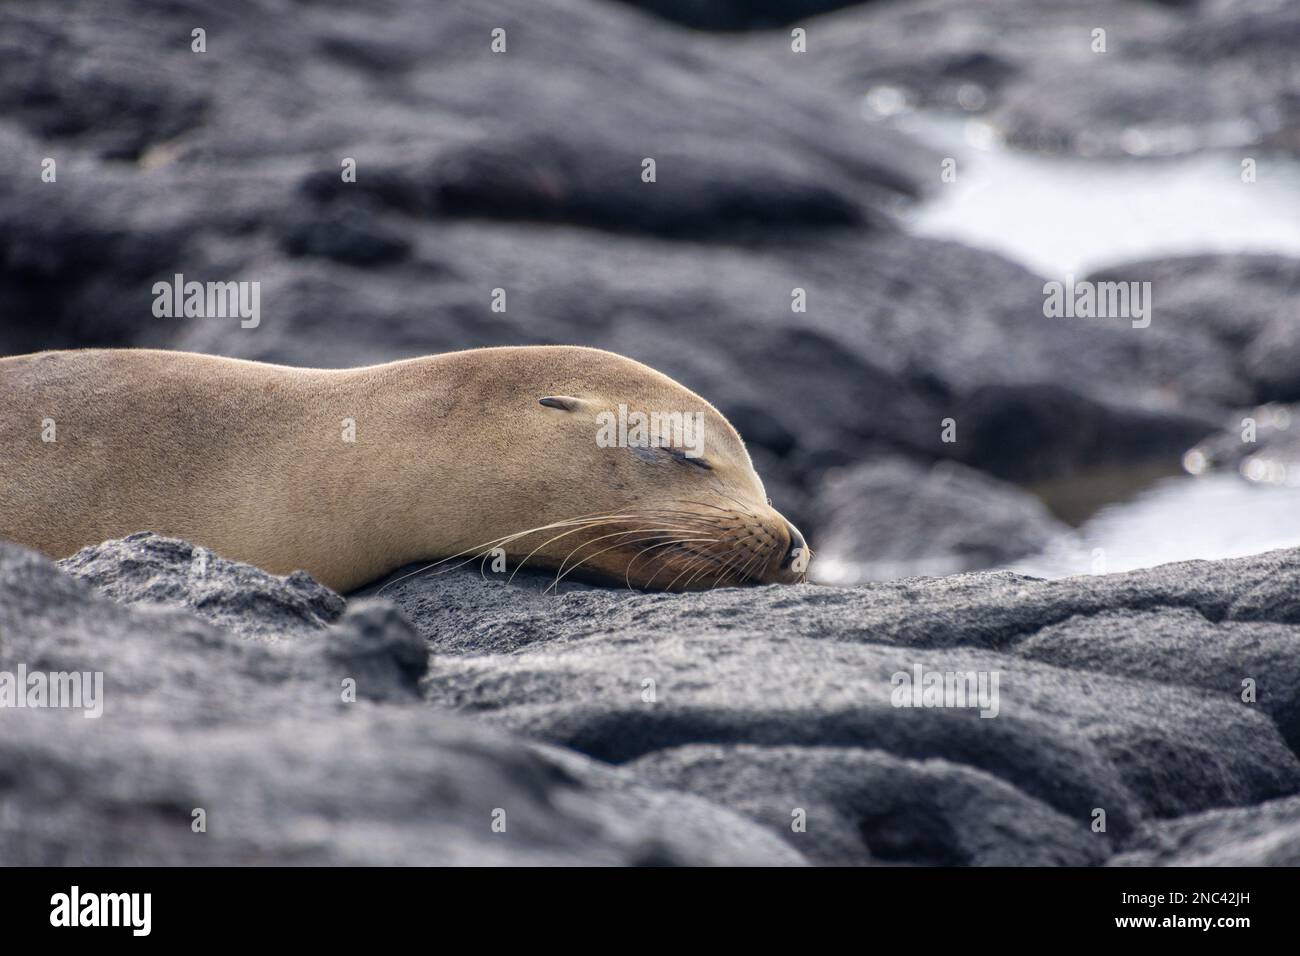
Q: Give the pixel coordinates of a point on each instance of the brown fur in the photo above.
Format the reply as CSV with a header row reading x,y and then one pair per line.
x,y
452,452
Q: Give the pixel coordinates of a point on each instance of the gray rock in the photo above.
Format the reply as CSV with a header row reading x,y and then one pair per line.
x,y
188,202
996,610
1241,304
258,736
146,568
1114,694
1072,740
1173,78
374,787
1150,744
865,805
895,518
1264,835
1181,646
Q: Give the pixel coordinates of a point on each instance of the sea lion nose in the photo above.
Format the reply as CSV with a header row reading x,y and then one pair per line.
x,y
796,556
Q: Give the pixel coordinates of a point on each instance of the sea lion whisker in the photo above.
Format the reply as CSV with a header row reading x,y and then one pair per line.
x,y
707,561
574,525
662,558
627,572
675,514
744,508
684,513
722,566
561,576
729,567
757,553
744,572
658,532
694,529
699,565
694,558
557,537
701,562
705,504
715,569
649,581
586,527
487,546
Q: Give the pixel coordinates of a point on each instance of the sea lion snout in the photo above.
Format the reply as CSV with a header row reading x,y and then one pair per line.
x,y
789,565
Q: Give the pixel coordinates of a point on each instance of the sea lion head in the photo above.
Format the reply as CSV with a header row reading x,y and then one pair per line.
x,y
641,481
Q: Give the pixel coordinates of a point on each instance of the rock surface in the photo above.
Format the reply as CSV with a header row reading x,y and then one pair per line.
x,y
735,726
257,735
862,804
1265,835
1170,78
915,519
1242,305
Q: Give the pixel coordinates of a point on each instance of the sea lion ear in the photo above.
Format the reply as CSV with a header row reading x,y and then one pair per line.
x,y
564,403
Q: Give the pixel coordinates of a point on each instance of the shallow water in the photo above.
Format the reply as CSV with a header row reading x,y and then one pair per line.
x,y
1176,519
1066,215
1060,215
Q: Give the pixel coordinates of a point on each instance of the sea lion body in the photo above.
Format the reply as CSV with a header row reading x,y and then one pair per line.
x,y
351,473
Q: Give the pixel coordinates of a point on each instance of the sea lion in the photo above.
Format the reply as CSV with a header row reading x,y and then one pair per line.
x,y
510,454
